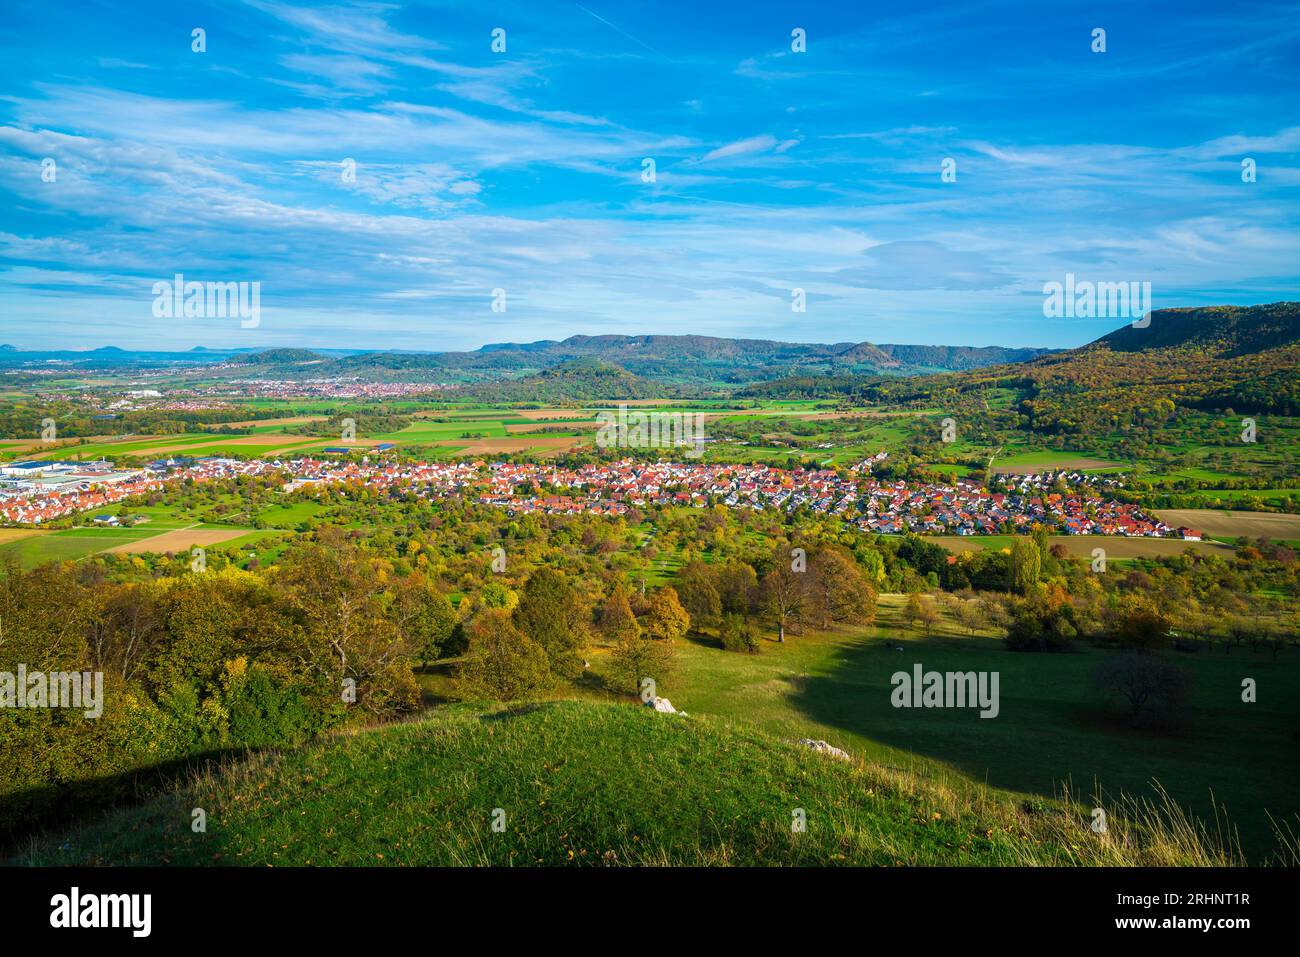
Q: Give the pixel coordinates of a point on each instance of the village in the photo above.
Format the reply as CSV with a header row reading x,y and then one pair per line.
x,y
33,493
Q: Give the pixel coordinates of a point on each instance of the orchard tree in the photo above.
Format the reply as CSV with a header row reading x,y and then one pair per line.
x,y
785,597
666,619
698,592
838,591
552,614
615,619
503,663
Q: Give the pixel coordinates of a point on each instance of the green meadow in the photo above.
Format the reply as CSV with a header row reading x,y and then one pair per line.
x,y
1048,733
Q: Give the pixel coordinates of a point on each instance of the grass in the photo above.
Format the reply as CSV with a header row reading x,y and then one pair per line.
x,y
580,783
73,543
837,686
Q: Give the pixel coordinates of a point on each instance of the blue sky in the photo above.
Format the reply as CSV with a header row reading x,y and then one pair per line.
x,y
522,170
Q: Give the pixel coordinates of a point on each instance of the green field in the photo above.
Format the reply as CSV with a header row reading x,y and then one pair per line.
x,y
73,543
837,686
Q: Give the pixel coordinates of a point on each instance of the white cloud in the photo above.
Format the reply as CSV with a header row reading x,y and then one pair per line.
x,y
755,144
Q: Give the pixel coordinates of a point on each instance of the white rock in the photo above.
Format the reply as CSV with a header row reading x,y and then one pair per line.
x,y
824,747
662,704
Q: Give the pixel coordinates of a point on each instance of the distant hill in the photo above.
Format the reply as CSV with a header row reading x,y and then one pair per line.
x,y
674,360
1239,359
268,357
1218,358
694,360
1224,331
957,358
574,380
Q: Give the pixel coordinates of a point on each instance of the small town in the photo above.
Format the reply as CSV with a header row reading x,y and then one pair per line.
x,y
35,492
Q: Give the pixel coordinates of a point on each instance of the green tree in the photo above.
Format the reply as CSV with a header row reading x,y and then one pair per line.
x,y
552,614
636,657
785,597
425,616
1026,566
698,592
738,634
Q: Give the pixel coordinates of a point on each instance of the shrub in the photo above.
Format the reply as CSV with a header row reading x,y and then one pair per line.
x,y
264,712
738,634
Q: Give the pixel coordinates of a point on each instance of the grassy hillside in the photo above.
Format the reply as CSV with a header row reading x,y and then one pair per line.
x,y
1050,730
592,783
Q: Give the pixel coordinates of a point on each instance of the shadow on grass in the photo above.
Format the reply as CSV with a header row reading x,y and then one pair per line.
x,y
35,811
703,639
517,711
1052,729
1046,722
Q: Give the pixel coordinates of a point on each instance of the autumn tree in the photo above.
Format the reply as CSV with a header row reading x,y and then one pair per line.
x,y
636,655
335,591
912,611
838,591
503,662
615,618
666,619
1142,626
969,615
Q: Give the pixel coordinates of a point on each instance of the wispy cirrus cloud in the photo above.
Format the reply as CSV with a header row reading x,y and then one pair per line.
x,y
525,170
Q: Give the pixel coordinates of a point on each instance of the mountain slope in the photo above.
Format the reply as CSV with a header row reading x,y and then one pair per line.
x,y
573,380
957,358
586,783
1225,331
695,359
1220,358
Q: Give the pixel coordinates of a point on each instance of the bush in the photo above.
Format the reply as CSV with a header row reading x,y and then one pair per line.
x,y
264,713
1038,626
738,634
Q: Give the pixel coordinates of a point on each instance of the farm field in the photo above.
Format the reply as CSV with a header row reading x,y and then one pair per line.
x,y
71,544
1230,524
180,540
8,535
1037,461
